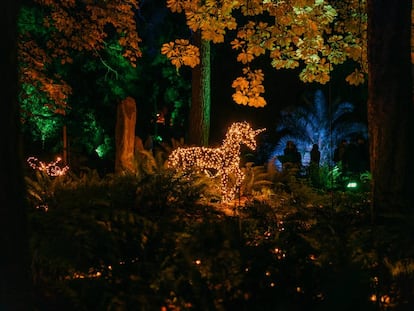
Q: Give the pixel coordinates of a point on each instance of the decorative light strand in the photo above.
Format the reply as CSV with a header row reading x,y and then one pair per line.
x,y
225,159
51,169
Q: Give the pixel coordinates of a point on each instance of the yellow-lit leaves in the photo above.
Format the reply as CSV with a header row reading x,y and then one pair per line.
x,y
211,17
249,88
315,34
354,51
252,7
237,44
181,52
316,72
245,57
175,6
355,78
285,63
213,31
298,29
253,39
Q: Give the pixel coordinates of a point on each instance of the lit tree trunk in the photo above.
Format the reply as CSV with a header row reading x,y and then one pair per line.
x,y
199,119
14,258
390,105
125,136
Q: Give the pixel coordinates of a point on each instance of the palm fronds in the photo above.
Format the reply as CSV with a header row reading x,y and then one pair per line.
x,y
317,122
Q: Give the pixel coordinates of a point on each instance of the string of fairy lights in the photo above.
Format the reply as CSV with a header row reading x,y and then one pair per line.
x,y
52,168
225,159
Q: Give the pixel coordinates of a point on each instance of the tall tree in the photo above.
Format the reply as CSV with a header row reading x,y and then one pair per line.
x,y
390,104
14,259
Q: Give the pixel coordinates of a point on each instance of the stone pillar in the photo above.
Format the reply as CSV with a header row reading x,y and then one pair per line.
x,y
125,136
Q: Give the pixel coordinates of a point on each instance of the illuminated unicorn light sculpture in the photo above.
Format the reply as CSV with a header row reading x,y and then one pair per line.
x,y
225,159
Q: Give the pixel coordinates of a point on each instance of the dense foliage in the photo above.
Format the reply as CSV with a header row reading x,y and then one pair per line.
x,y
159,241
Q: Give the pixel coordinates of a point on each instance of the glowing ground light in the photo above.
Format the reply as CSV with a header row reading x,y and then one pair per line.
x,y
51,169
352,184
225,159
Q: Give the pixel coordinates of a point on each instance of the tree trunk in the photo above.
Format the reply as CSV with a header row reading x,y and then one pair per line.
x,y
199,119
390,105
125,136
14,258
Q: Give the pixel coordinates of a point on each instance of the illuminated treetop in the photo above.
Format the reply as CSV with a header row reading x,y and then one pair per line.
x,y
313,34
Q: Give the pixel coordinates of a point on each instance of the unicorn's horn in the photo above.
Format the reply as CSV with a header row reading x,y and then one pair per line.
x,y
257,132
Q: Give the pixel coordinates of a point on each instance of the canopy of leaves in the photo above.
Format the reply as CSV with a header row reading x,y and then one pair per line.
x,y
52,31
313,34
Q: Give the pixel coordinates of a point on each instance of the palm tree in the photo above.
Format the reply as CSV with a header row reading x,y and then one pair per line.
x,y
317,122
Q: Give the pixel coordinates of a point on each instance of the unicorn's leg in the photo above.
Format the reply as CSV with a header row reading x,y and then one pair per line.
x,y
238,179
226,193
229,184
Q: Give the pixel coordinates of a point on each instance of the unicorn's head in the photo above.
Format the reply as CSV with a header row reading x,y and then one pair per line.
x,y
242,133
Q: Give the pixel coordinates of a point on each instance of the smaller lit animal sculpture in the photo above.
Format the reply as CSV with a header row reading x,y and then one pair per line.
x,y
225,160
51,169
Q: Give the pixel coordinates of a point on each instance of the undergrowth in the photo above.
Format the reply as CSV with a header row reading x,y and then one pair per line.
x,y
158,240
